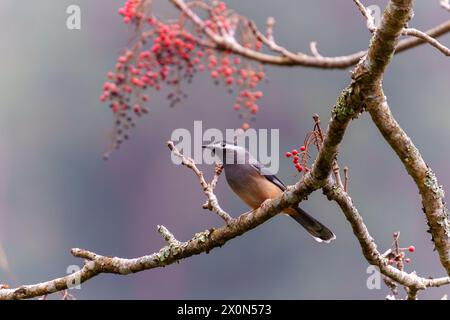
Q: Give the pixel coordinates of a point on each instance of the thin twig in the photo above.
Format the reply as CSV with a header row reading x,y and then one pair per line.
x,y
314,51
208,190
168,236
366,13
425,37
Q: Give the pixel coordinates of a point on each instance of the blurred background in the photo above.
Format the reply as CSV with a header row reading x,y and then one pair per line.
x,y
56,192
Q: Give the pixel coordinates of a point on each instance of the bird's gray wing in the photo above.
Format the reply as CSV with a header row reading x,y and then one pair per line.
x,y
268,175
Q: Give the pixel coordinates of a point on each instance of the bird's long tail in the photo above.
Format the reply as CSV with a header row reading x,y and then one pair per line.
x,y
319,232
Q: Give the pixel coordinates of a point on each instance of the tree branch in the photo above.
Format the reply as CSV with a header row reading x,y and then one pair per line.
x,y
425,37
431,192
435,32
286,57
369,248
366,13
208,189
407,31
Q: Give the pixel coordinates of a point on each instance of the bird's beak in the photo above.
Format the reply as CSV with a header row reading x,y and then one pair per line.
x,y
213,150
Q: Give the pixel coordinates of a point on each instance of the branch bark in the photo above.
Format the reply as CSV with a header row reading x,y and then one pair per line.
x,y
431,192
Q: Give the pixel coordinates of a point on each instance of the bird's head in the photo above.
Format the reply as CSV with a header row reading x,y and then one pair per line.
x,y
228,153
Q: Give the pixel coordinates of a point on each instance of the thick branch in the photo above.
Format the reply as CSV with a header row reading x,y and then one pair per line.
x,y
431,192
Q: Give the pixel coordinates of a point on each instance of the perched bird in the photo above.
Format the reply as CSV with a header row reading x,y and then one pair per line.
x,y
253,184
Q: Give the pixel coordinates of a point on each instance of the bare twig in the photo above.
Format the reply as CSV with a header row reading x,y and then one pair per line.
x,y
217,172
366,13
208,189
425,37
270,24
168,236
313,48
435,32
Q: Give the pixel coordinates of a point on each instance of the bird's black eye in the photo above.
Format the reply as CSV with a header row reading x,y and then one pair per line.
x,y
223,145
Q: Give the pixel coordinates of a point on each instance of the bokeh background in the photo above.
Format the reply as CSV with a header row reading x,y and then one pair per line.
x,y
56,192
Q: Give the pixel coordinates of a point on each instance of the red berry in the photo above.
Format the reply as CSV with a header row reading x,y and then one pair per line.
x,y
288,154
295,159
137,109
214,74
295,152
136,81
411,249
115,107
299,167
258,94
302,148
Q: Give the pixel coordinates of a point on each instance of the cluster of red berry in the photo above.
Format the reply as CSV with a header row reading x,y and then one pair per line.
x,y
167,54
397,255
401,255
130,10
296,158
232,72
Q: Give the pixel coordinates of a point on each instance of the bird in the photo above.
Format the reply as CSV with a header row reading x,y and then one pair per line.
x,y
253,184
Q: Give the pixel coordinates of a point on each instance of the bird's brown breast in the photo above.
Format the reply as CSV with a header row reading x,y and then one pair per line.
x,y
250,186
